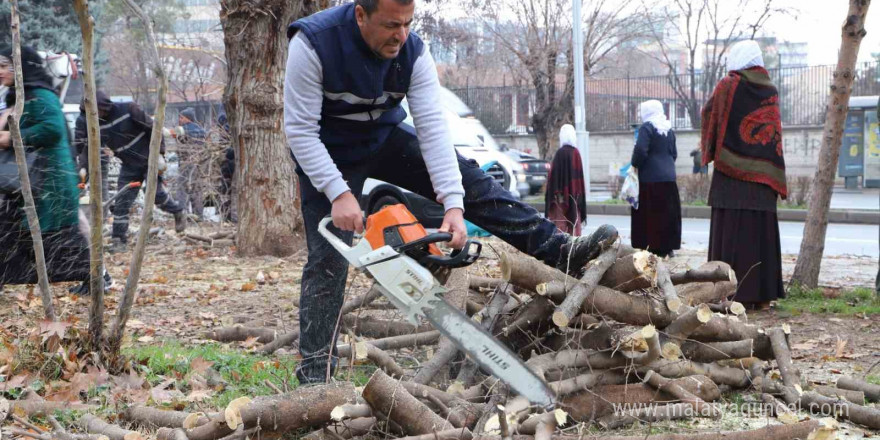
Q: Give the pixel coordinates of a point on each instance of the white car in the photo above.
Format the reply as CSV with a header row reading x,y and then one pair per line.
x,y
377,194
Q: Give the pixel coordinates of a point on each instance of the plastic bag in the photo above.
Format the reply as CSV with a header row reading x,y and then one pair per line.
x,y
630,189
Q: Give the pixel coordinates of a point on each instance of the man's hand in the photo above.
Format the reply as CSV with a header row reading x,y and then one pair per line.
x,y
5,139
346,213
453,221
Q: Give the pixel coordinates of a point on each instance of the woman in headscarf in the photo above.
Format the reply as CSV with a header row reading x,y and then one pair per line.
x,y
566,202
656,224
56,196
742,134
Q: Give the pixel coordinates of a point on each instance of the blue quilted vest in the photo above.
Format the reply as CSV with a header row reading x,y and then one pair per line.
x,y
362,92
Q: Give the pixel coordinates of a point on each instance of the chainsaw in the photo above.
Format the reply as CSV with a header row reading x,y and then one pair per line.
x,y
397,252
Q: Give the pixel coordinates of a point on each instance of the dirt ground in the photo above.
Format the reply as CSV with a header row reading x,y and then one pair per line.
x,y
187,290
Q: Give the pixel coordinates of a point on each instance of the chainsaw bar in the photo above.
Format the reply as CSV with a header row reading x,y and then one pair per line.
x,y
487,352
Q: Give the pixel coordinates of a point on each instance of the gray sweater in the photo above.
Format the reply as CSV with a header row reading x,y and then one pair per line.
x,y
303,98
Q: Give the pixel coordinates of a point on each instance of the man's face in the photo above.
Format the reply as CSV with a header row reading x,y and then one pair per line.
x,y
182,120
387,28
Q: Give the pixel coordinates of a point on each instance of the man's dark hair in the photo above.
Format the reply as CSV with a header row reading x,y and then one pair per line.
x,y
370,6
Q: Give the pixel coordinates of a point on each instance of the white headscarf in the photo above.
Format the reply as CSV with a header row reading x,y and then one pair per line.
x,y
567,136
745,54
652,112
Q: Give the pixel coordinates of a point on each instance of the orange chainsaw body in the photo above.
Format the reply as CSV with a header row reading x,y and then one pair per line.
x,y
394,225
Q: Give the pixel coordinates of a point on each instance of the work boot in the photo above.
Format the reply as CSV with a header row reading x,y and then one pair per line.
x,y
117,246
578,251
179,222
83,289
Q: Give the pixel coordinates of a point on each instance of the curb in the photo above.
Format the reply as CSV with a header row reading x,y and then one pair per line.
x,y
788,215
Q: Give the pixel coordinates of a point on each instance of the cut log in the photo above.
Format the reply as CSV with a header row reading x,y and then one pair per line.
x,y
414,340
39,407
599,338
238,333
348,307
670,295
632,272
526,272
728,307
95,425
601,401
302,408
716,351
800,430
573,303
872,392
779,410
478,282
350,411
344,430
733,377
450,434
383,360
597,360
370,327
586,381
650,414
827,406
700,407
706,293
791,376
857,397
711,272
688,322
389,398
442,358
152,418
621,307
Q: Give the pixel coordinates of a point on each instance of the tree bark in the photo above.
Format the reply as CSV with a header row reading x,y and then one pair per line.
x,y
632,272
96,238
268,220
95,425
344,430
389,398
711,272
370,327
856,397
117,330
26,192
575,299
806,270
526,272
872,392
241,333
708,293
600,401
152,418
282,413
413,340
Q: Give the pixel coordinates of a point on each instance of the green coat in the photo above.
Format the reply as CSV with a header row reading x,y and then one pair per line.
x,y
44,129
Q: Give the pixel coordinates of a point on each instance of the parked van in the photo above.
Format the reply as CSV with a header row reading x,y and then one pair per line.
x,y
468,143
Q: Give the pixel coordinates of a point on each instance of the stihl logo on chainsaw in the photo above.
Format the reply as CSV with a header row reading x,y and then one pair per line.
x,y
494,357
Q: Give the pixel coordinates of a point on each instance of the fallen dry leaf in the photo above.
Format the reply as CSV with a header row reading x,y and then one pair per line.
x,y
53,328
249,342
840,347
199,395
199,365
247,287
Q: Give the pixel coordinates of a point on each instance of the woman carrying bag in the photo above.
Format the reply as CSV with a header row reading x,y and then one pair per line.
x,y
656,222
54,181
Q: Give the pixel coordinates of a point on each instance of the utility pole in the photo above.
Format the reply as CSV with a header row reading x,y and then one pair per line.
x,y
580,125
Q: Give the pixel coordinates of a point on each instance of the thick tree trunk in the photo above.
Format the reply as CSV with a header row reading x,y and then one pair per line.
x,y
268,221
806,271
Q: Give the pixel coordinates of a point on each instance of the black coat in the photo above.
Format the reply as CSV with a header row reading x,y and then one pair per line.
x,y
654,155
126,131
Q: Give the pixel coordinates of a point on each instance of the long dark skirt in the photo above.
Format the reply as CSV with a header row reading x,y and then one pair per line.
x,y
66,251
749,241
656,225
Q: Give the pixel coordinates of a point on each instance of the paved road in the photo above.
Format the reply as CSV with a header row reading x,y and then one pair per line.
x,y
841,239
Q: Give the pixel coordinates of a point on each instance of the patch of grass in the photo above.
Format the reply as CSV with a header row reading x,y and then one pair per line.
x,y
858,301
244,373
873,379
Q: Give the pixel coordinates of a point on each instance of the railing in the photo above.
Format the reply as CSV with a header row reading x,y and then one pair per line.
x,y
612,103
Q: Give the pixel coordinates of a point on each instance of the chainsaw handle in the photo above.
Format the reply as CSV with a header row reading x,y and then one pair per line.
x,y
436,237
458,258
350,254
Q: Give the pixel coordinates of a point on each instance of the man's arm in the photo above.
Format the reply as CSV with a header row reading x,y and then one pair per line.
x,y
435,140
303,99
140,118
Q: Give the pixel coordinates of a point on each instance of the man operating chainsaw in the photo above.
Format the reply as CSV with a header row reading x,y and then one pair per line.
x,y
348,69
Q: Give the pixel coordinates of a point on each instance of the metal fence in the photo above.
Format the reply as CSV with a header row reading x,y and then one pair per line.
x,y
612,103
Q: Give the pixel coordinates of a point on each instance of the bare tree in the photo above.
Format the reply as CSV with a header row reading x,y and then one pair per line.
x,y
194,73
683,27
256,41
539,37
806,270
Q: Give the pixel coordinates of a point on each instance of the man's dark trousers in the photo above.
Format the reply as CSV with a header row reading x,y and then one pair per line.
x,y
399,162
122,205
